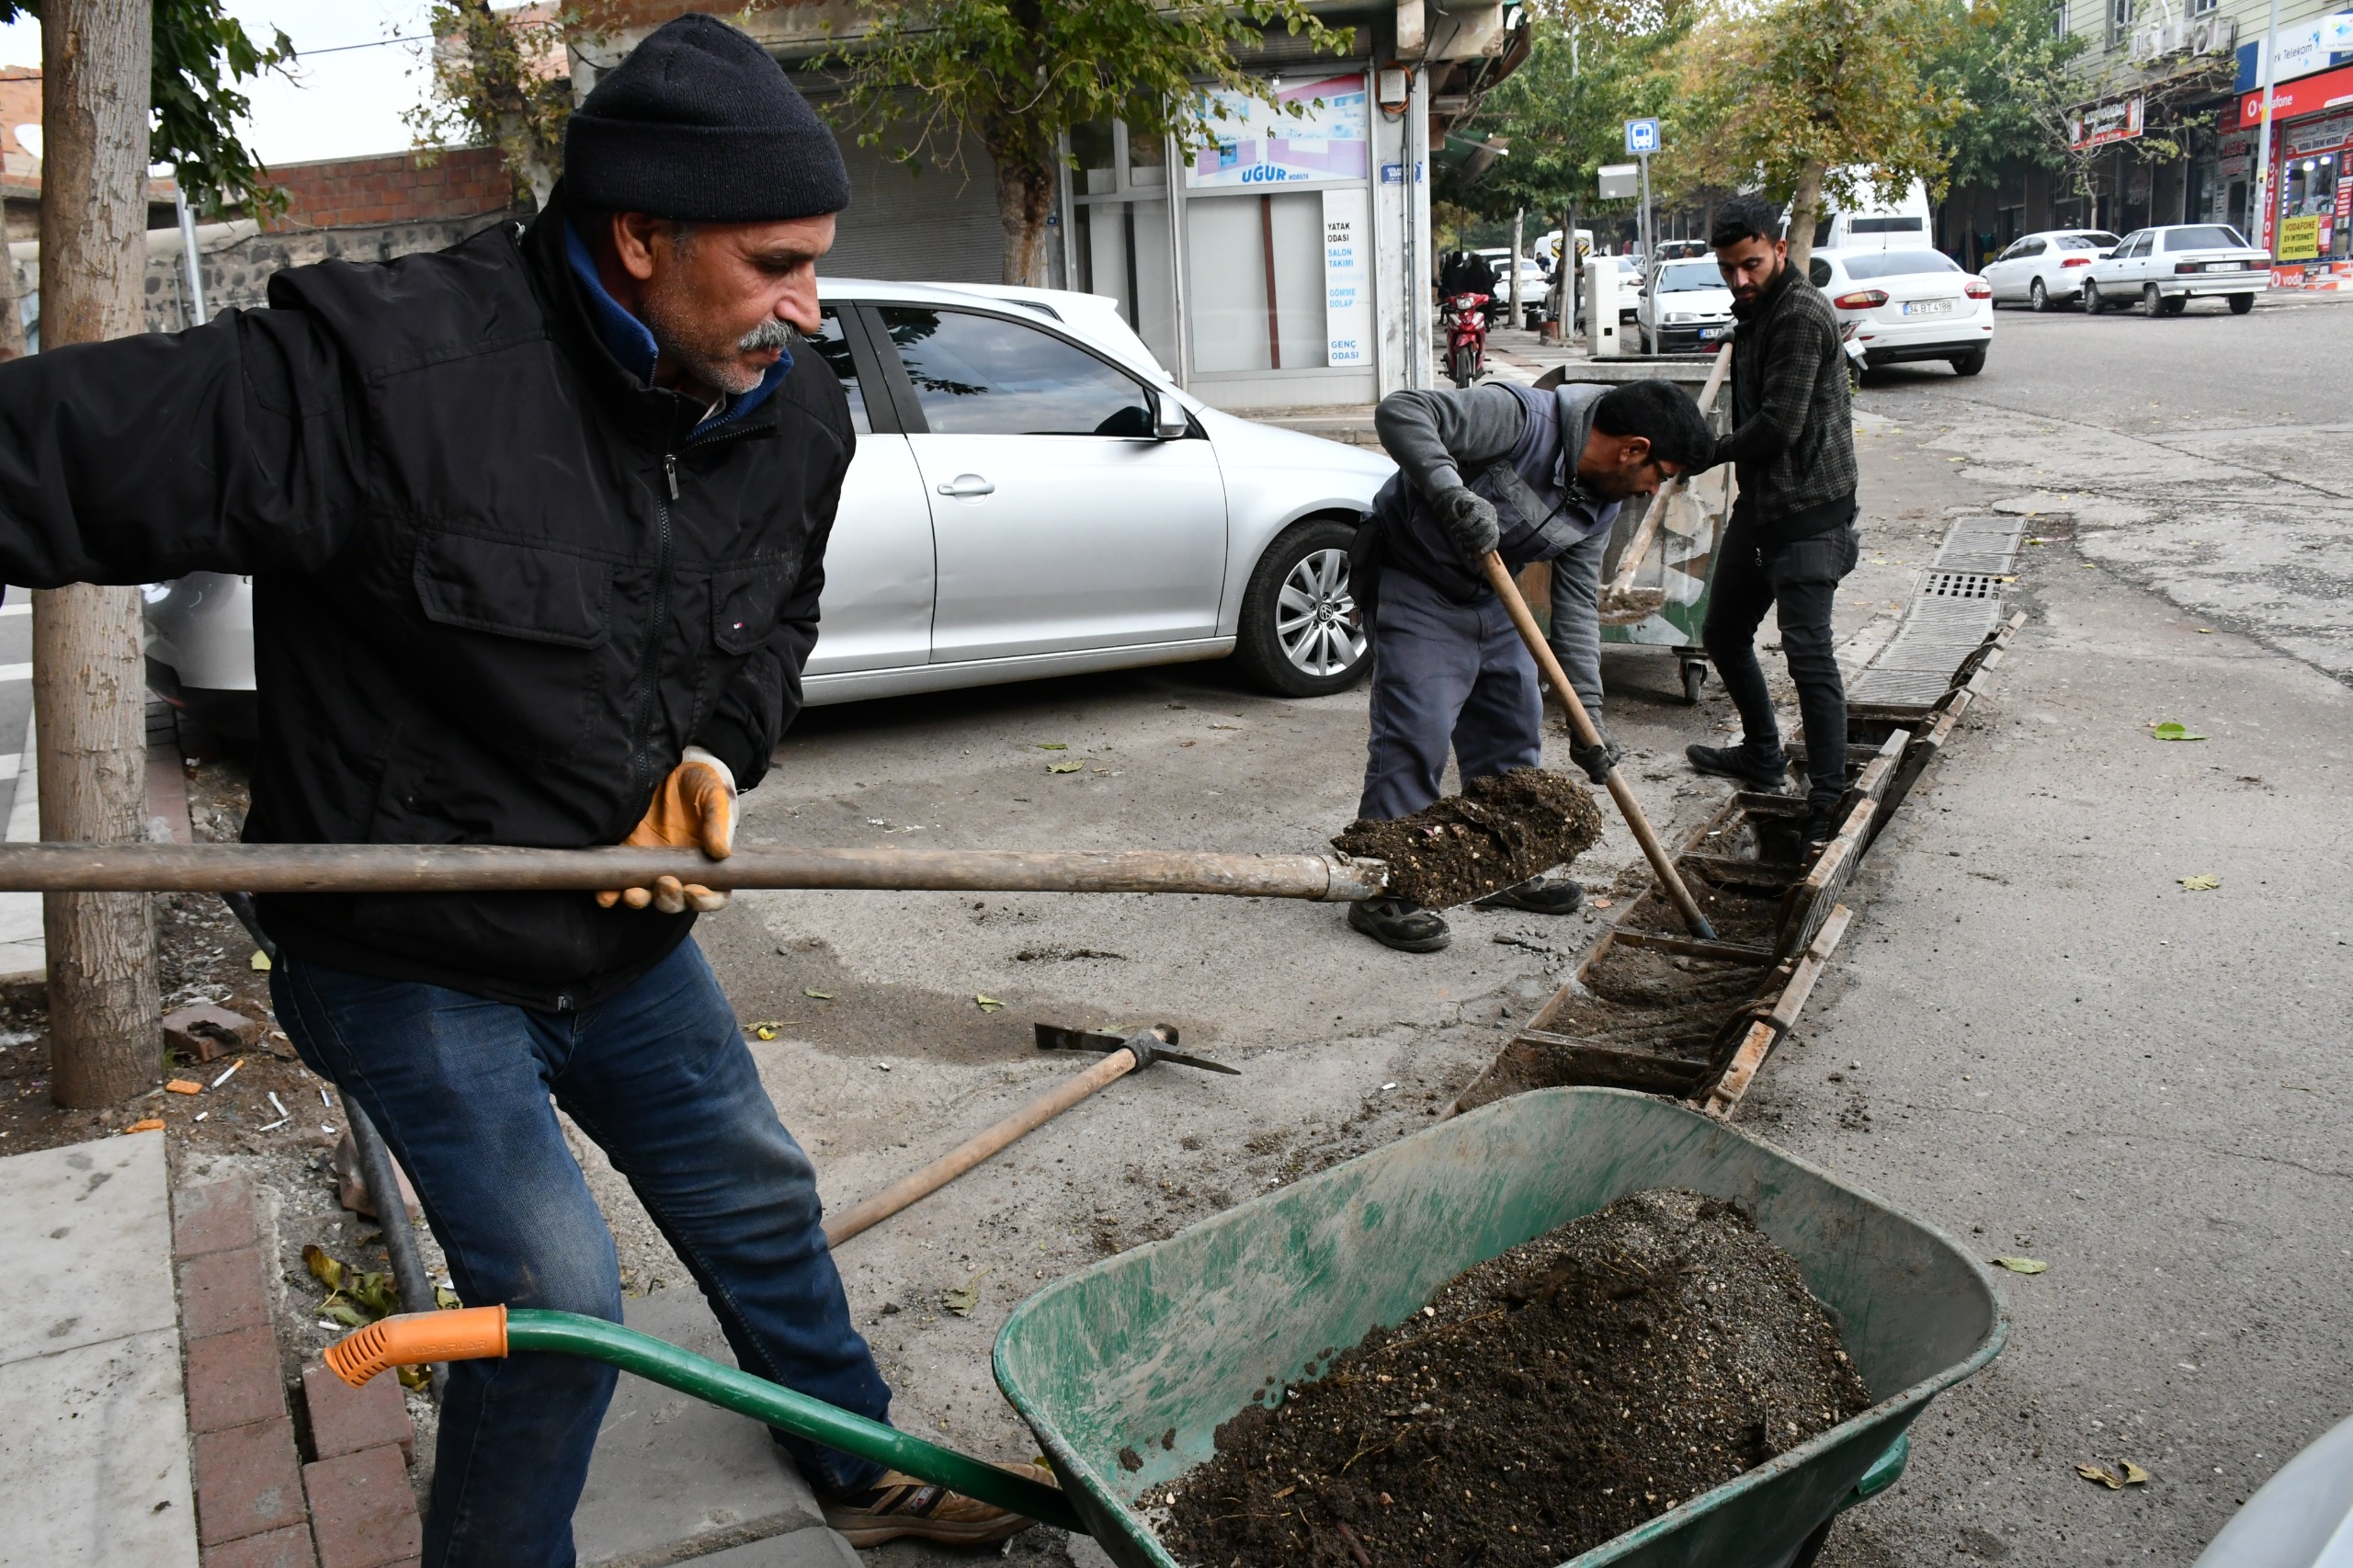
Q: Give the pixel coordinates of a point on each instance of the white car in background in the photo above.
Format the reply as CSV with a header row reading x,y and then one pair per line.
x,y
1903,305
2047,270
1031,497
1684,309
2162,270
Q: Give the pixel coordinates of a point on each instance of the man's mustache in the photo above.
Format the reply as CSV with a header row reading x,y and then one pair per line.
x,y
771,334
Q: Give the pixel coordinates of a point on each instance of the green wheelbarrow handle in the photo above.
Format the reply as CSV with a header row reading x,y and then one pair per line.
x,y
472,1332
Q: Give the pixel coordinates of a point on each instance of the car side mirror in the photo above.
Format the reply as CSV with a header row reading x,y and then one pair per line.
x,y
1170,422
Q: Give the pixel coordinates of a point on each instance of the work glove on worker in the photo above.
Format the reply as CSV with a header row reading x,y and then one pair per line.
x,y
695,808
1471,518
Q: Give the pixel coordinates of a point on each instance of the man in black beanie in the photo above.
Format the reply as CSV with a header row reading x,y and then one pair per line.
x,y
537,529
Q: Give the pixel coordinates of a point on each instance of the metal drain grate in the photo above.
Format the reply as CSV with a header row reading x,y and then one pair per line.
x,y
1957,602
1960,585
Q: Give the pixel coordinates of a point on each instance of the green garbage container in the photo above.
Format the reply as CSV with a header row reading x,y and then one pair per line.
x,y
1175,1335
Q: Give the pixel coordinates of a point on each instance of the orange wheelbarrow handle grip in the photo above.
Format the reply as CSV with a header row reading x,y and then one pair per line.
x,y
409,1339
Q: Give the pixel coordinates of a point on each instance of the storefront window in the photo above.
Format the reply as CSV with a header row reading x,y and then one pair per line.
x,y
1278,234
1119,237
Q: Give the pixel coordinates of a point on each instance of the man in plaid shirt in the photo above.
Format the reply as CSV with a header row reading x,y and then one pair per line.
x,y
1791,537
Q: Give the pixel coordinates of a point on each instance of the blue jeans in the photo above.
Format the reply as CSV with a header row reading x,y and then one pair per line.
x,y
1443,676
660,1078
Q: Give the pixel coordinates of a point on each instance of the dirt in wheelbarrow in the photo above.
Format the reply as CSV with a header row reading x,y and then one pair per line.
x,y
1541,1404
1499,830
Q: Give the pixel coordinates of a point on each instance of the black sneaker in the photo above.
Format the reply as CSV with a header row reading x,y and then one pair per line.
x,y
1539,895
1821,823
1395,923
1765,774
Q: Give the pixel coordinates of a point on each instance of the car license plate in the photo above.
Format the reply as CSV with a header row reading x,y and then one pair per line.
x,y
1709,333
2226,266
1928,307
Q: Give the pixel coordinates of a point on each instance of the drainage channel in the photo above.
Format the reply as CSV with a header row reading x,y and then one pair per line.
x,y
1649,1009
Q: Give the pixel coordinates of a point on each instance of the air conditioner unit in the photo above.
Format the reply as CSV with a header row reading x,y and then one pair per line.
x,y
2213,34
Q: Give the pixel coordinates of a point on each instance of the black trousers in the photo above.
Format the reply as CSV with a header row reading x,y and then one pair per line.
x,y
1798,580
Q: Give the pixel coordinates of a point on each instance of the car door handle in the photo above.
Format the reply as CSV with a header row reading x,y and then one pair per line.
x,y
967,484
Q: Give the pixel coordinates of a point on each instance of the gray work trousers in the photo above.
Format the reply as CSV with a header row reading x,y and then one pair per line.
x,y
1445,676
1575,635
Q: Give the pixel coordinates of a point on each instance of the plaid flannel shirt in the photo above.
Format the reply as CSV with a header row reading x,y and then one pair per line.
x,y
1792,442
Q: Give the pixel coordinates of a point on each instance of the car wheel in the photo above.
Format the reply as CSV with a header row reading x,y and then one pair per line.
x,y
2176,303
1299,633
2092,302
2153,301
1969,364
2036,297
2242,303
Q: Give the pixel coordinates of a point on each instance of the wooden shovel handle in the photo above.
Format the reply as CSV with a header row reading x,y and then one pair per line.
x,y
1582,726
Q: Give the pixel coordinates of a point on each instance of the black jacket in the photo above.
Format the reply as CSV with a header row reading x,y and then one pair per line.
x,y
497,585
1792,441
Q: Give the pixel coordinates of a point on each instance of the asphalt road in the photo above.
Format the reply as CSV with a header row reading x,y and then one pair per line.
x,y
2041,1040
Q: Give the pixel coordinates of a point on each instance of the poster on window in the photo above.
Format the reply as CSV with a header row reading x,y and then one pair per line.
x,y
1251,143
2299,238
1347,278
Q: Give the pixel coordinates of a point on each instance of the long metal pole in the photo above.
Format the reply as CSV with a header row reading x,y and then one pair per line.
x,y
188,255
2269,65
1649,254
435,867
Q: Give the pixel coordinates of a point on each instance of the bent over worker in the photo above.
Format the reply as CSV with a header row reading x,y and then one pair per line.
x,y
1539,476
1791,537
537,526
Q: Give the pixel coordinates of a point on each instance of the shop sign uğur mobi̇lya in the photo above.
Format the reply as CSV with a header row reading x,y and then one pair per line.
x,y
2103,123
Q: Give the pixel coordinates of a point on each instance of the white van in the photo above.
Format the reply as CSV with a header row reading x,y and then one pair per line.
x,y
1870,225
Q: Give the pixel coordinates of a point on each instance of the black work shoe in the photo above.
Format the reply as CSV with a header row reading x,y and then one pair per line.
x,y
1396,922
1821,823
1765,774
1539,895
900,1506
1597,761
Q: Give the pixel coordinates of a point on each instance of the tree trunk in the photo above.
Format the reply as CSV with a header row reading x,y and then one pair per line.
x,y
1025,199
1806,210
89,687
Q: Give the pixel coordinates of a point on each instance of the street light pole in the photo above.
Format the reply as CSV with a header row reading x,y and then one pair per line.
x,y
1649,254
2269,66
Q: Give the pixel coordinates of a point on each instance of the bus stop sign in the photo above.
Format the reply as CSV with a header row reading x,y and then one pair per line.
x,y
1642,136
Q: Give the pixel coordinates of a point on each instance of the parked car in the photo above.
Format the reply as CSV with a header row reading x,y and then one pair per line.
x,y
1684,309
1908,305
2047,269
2167,268
1031,497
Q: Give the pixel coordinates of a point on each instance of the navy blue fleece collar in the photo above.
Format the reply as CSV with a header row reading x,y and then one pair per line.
x,y
626,338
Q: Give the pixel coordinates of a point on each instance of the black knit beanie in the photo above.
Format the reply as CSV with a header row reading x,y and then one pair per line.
x,y
700,124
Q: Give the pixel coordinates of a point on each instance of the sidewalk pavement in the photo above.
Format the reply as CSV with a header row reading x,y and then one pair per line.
x,y
93,1434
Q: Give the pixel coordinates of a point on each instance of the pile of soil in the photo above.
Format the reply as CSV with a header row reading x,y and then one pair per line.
x,y
1749,915
1544,1402
1499,830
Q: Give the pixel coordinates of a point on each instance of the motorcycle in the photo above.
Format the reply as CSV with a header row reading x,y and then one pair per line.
x,y
1858,362
1466,337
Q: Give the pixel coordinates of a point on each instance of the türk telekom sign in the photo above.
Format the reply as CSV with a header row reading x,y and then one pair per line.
x,y
2119,122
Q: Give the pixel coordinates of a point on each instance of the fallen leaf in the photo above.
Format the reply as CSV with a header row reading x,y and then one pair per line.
x,y
182,1086
2100,1475
260,960
2021,1264
813,993
2205,632
2169,731
345,1313
962,1298
2134,1475
988,1004
153,1124
416,1377
764,1032
1070,766
446,1298
1601,903
323,1266
2202,883
1052,745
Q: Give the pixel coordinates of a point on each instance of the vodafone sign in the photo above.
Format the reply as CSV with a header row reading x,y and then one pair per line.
x,y
2330,89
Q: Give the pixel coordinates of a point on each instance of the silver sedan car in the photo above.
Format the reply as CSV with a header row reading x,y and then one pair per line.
x,y
1032,496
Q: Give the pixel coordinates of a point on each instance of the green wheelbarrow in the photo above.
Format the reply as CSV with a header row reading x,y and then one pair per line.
x,y
1174,1337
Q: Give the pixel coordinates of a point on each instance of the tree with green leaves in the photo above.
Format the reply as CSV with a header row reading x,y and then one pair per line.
x,y
1018,75
197,54
1809,97
2004,59
501,79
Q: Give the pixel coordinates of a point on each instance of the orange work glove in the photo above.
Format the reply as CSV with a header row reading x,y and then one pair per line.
x,y
694,806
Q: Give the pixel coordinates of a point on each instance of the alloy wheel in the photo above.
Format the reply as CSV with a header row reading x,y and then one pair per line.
x,y
1316,614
